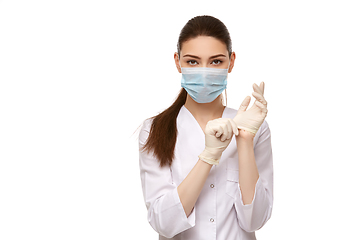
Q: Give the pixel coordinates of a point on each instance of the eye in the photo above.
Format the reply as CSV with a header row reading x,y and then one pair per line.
x,y
192,62
216,62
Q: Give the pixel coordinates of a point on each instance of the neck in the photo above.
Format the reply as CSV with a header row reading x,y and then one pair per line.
x,y
205,111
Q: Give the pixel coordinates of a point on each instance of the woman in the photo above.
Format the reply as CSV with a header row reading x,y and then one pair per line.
x,y
206,169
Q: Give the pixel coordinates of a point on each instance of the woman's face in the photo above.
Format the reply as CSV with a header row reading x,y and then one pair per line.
x,y
204,51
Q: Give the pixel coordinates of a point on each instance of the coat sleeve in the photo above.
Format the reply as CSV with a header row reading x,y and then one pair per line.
x,y
253,216
165,212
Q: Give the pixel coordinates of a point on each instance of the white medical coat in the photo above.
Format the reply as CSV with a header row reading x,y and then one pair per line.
x,y
219,212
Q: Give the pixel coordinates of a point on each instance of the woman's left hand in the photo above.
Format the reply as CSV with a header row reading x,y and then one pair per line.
x,y
252,119
245,135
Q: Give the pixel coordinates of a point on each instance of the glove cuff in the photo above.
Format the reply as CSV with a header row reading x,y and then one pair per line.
x,y
252,130
210,157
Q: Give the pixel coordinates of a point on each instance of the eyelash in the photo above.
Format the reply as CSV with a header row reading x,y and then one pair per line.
x,y
191,61
217,60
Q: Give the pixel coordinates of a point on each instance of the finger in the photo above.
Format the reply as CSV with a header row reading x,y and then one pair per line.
x,y
219,131
214,127
260,98
234,127
262,107
257,89
245,103
226,133
262,87
230,130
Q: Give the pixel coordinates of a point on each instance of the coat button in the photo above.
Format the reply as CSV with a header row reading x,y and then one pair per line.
x,y
211,185
211,220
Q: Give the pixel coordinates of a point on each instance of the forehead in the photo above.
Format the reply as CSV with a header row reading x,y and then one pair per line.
x,y
203,46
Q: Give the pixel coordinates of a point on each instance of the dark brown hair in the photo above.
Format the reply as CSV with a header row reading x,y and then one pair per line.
x,y
163,131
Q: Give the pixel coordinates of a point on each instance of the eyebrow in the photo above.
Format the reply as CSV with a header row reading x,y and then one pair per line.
x,y
215,56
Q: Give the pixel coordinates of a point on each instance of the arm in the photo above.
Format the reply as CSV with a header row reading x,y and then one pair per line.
x,y
218,134
190,188
165,212
254,202
248,172
170,207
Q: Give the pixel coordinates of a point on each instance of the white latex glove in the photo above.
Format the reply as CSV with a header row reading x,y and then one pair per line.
x,y
218,134
252,119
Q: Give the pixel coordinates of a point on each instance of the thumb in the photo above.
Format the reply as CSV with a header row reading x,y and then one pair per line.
x,y
244,104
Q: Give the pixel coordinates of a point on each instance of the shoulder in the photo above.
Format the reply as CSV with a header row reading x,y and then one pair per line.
x,y
263,133
264,127
146,124
145,130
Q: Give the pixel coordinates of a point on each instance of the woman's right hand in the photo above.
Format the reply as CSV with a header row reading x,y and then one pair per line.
x,y
218,134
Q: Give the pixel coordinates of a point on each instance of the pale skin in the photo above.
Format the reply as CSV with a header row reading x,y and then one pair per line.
x,y
204,51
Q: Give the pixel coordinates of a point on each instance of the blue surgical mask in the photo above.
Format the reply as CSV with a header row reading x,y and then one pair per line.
x,y
204,85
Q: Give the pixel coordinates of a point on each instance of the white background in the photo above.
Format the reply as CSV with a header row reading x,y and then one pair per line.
x,y
79,77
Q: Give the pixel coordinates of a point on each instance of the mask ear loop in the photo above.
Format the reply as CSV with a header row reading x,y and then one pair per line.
x,y
225,88
222,98
225,98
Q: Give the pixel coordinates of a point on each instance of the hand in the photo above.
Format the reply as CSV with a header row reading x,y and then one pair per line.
x,y
218,134
252,119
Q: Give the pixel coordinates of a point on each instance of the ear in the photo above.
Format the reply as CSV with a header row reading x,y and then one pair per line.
x,y
232,61
177,61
